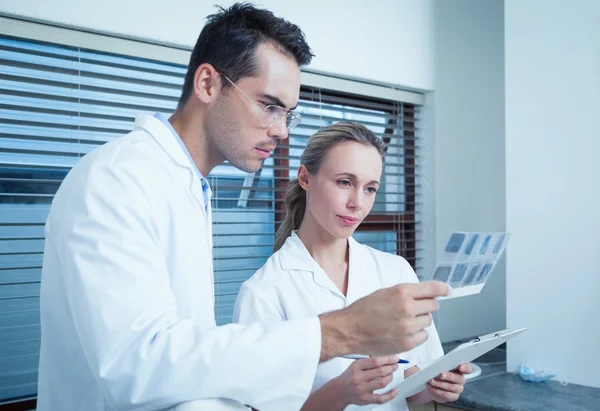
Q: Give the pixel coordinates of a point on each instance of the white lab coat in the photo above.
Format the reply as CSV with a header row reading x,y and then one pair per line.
x,y
127,297
291,285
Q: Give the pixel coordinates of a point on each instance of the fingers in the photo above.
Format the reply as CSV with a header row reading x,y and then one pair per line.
x,y
414,340
411,306
393,319
376,362
426,289
447,387
465,368
442,395
444,385
452,377
414,325
379,383
381,398
424,307
380,372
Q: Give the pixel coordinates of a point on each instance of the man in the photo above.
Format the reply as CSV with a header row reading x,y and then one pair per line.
x,y
127,285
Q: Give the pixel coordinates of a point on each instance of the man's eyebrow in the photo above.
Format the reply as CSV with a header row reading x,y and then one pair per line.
x,y
274,100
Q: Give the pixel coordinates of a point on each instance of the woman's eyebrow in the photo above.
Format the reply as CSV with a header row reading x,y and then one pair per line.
x,y
353,176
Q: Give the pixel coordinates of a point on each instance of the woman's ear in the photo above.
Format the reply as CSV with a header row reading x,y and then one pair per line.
x,y
303,177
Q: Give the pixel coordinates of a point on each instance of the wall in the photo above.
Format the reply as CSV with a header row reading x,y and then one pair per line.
x,y
392,45
468,105
552,169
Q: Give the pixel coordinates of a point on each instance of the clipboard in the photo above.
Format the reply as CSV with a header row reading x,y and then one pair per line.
x,y
464,353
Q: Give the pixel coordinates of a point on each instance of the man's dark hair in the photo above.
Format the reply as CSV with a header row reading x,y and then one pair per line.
x,y
230,38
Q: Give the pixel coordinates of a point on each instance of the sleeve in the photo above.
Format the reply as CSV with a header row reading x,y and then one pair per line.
x,y
252,306
431,349
141,353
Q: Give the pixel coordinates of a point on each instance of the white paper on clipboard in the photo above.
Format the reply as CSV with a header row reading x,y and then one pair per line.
x,y
464,353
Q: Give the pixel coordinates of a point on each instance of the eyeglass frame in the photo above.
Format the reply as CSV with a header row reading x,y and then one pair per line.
x,y
265,107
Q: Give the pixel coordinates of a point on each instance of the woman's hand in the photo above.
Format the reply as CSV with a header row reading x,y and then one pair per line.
x,y
366,375
448,386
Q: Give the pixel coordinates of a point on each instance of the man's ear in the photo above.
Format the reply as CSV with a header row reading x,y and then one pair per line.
x,y
303,177
207,83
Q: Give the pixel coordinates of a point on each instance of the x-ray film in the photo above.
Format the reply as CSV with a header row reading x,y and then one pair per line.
x,y
468,260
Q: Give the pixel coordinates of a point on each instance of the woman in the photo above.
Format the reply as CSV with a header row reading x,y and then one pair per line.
x,y
318,267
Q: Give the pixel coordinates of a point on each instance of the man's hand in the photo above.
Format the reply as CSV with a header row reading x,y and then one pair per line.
x,y
388,321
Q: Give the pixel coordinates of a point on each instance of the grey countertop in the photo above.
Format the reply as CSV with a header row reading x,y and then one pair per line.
x,y
497,390
502,391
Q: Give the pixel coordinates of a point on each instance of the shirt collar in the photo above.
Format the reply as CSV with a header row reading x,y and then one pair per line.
x,y
165,121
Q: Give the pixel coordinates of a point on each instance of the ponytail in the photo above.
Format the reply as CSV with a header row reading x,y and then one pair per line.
x,y
295,205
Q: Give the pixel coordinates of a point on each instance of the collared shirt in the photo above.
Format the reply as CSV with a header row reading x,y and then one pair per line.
x,y
206,191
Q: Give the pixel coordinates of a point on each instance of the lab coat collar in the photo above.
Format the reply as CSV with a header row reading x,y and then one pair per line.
x,y
164,138
294,255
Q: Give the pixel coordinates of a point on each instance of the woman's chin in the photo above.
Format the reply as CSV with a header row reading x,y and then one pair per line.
x,y
343,232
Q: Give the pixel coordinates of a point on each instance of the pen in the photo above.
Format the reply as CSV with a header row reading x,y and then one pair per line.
x,y
358,357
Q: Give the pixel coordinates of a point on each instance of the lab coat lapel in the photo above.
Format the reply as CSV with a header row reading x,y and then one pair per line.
x,y
170,145
357,271
163,136
295,256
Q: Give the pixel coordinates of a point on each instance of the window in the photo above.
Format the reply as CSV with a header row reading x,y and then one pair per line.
x,y
60,102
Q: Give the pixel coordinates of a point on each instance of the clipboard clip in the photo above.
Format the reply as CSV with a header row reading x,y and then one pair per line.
x,y
486,337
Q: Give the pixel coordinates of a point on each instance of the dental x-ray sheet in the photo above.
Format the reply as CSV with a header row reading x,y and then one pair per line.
x,y
468,260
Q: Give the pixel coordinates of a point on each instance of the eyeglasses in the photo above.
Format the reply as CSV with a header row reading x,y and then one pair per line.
x,y
269,114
